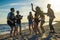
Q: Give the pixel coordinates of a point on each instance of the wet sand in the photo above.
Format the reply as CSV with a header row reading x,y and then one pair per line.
x,y
27,36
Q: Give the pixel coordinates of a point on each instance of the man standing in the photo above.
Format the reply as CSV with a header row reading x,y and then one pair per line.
x,y
11,21
51,15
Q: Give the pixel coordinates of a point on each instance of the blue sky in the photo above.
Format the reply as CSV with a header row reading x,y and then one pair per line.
x,y
24,6
20,5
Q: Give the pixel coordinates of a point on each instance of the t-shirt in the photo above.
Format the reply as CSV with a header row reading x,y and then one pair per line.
x,y
51,13
18,19
11,16
30,17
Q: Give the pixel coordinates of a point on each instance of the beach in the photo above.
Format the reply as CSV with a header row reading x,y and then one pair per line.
x,y
26,35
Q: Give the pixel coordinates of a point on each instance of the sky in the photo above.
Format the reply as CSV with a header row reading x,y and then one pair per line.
x,y
24,6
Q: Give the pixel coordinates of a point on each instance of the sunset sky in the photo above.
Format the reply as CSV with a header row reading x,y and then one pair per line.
x,y
24,6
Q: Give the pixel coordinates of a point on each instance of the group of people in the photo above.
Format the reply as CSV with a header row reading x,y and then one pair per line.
x,y
14,21
39,17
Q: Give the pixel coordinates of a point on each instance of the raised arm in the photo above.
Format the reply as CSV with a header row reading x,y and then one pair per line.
x,y
32,7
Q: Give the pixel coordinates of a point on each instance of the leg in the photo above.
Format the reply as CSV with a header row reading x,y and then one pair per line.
x,y
41,26
30,24
35,30
20,29
10,24
38,29
11,32
50,24
33,26
30,28
14,29
17,28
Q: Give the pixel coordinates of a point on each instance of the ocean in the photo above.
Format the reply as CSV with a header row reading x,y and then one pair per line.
x,y
4,28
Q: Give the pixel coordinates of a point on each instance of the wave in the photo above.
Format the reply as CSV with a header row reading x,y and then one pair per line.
x,y
4,28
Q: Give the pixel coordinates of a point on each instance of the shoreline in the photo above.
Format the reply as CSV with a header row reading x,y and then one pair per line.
x,y
8,31
26,30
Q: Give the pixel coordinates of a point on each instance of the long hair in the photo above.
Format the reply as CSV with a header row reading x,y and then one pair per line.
x,y
38,8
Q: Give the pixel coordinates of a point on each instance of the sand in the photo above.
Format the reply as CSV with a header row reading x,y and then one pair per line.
x,y
27,36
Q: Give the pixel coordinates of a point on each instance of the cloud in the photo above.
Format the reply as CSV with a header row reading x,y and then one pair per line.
x,y
24,10
23,7
4,10
15,4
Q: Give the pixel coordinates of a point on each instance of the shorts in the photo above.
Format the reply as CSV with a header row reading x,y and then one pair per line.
x,y
30,22
17,24
11,24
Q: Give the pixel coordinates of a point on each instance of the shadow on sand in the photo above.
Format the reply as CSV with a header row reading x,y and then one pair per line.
x,y
49,36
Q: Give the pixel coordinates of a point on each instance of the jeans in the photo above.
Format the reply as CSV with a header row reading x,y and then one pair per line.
x,y
50,23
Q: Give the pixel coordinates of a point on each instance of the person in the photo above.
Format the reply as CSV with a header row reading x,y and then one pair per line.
x,y
18,21
30,20
36,19
51,15
11,21
42,21
36,29
37,10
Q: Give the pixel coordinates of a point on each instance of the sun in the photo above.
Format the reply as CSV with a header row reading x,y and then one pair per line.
x,y
55,4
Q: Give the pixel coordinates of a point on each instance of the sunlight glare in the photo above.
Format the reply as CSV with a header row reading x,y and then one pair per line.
x,y
55,5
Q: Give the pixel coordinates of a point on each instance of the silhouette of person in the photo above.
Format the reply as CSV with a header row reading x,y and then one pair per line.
x,y
51,15
30,20
11,21
18,21
37,11
42,21
36,19
40,16
36,29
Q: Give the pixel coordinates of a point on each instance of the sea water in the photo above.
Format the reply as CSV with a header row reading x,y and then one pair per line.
x,y
4,28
